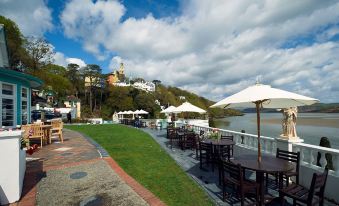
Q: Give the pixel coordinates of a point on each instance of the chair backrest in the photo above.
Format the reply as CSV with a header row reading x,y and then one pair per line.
x,y
228,137
26,128
318,185
56,124
234,171
37,130
205,146
289,156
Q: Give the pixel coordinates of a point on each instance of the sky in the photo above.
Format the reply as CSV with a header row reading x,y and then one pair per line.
x,y
212,48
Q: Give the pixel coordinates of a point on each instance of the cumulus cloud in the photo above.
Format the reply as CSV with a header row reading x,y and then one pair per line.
x,y
62,60
216,48
33,17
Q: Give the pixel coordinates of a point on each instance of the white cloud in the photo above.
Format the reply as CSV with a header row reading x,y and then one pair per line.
x,y
62,60
218,47
33,17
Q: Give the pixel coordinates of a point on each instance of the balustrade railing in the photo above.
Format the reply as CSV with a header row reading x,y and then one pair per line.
x,y
249,141
309,156
308,152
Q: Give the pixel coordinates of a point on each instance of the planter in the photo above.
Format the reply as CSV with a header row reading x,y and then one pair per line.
x,y
13,166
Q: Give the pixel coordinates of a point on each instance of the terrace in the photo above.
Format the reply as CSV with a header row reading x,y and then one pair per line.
x,y
82,170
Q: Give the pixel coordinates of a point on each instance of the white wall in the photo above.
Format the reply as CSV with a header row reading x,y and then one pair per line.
x,y
13,166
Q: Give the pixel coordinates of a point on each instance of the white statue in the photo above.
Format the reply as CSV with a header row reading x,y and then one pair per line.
x,y
289,122
115,117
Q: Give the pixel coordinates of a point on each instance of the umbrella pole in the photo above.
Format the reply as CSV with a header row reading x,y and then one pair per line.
x,y
257,104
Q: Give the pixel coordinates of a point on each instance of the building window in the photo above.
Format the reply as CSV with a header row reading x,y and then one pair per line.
x,y
24,105
7,105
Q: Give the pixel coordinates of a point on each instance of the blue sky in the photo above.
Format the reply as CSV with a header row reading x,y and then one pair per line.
x,y
213,48
136,9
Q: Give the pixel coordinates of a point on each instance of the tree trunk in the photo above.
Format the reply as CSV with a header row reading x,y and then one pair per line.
x,y
90,101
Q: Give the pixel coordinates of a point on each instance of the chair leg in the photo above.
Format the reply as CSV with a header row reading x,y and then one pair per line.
x,y
41,142
61,137
282,199
242,198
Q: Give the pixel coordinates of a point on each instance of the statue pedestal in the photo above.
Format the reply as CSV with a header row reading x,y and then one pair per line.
x,y
285,143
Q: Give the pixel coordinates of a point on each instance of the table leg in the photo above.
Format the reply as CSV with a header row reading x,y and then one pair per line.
x,y
260,181
281,181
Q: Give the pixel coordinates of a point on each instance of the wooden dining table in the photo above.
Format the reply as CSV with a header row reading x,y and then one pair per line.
x,y
268,164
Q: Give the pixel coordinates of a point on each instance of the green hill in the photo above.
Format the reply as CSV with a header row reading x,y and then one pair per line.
x,y
128,98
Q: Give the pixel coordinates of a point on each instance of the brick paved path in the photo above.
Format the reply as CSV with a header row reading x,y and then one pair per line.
x,y
74,173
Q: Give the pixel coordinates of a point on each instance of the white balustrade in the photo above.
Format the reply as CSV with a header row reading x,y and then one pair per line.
x,y
309,154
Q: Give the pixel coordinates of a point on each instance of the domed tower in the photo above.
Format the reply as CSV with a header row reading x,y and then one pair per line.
x,y
121,69
121,72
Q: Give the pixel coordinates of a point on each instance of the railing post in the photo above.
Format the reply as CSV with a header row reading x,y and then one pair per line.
x,y
242,136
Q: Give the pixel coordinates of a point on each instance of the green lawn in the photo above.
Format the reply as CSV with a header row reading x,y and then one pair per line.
x,y
142,158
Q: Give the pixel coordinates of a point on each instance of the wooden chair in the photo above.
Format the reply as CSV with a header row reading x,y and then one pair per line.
x,y
57,127
229,137
26,133
300,194
172,136
205,152
37,133
292,157
289,156
233,175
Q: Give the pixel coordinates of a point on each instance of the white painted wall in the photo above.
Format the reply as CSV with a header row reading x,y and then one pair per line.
x,y
13,166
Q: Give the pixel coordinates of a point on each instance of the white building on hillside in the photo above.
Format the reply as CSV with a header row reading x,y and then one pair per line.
x,y
146,86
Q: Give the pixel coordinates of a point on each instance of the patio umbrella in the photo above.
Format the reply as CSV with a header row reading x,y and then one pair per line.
x,y
168,110
264,96
142,111
188,107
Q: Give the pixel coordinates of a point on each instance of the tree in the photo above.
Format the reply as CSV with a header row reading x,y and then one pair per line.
x,y
15,42
75,76
92,73
40,53
54,77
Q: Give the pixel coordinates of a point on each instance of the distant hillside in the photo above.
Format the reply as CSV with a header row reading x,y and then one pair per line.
x,y
321,107
318,107
129,98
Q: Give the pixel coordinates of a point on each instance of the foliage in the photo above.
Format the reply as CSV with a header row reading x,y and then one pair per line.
x,y
54,77
142,158
15,42
40,53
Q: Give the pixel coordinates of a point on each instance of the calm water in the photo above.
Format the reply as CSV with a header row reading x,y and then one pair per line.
x,y
310,134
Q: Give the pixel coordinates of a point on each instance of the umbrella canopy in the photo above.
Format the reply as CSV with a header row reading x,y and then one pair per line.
x,y
268,96
142,111
264,96
119,112
168,110
188,107
129,112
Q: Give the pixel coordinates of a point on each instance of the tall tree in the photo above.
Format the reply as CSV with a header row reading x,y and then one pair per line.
x,y
15,43
40,53
75,76
92,73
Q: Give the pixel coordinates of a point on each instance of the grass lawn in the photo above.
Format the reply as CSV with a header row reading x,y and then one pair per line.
x,y
142,158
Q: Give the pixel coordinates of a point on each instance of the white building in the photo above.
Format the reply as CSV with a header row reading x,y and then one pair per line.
x,y
146,86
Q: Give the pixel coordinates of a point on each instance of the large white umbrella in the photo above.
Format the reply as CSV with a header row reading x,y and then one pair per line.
x,y
188,107
264,96
168,110
142,111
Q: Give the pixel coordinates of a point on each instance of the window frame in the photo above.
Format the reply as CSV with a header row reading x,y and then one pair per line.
x,y
27,104
14,98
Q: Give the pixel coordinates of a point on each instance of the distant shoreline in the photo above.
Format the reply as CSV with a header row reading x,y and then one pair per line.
x,y
334,123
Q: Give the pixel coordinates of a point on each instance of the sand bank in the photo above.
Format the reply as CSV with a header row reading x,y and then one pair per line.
x,y
318,122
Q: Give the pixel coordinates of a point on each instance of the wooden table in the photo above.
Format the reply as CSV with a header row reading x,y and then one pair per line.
x,y
268,164
47,132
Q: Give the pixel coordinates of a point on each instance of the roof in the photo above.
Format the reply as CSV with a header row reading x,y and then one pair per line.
x,y
34,82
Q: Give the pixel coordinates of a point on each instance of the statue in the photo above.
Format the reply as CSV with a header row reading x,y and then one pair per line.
x,y
115,118
289,122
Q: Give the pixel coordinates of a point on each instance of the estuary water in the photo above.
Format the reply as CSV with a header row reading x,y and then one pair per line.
x,y
310,126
